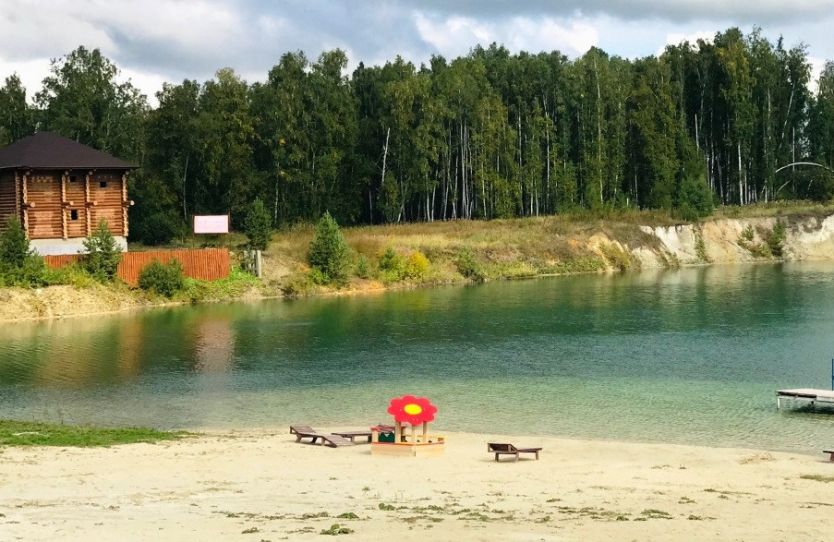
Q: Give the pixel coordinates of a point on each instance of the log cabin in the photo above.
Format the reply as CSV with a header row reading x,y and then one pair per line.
x,y
60,190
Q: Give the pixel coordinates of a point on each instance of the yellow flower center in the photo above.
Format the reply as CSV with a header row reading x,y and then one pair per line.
x,y
412,410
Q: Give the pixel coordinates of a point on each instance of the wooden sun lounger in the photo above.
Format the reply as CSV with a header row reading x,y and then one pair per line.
x,y
830,454
500,449
305,431
352,435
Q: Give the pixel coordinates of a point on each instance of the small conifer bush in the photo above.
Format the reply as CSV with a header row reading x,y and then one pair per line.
x,y
329,252
258,225
102,253
19,265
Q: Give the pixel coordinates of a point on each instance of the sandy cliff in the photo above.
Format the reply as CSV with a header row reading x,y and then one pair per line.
x,y
723,241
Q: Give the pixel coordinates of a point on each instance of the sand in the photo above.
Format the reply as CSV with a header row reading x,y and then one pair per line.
x,y
261,485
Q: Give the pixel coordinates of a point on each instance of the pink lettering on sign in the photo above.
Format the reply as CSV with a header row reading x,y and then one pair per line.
x,y
211,224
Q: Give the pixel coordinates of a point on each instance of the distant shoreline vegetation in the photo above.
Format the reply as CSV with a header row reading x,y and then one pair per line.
x,y
304,260
485,136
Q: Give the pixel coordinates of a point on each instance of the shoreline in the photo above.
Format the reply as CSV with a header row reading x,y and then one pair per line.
x,y
132,305
251,297
261,485
517,249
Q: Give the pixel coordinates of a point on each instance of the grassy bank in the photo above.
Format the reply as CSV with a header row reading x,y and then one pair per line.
x,y
463,251
15,433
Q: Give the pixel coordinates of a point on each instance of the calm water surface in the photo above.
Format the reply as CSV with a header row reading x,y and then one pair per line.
x,y
691,356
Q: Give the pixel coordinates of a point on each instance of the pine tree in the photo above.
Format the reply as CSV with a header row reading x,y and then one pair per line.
x,y
102,253
329,252
258,225
14,246
19,265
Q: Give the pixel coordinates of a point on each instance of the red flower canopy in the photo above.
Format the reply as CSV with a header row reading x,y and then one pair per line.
x,y
413,410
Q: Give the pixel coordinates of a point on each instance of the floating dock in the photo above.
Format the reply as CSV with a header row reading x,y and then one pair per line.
x,y
805,397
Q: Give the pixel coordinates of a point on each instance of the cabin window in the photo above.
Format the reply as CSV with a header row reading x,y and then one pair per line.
x,y
102,184
74,214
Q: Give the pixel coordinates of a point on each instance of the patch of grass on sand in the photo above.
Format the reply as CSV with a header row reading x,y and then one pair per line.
x,y
336,530
818,478
15,433
652,513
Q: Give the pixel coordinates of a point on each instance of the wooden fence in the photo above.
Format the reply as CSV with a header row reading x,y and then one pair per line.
x,y
202,264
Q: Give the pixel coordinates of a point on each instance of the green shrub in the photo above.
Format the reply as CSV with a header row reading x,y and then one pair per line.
x,y
616,256
758,250
258,225
19,265
32,274
363,270
701,247
317,276
102,254
391,265
298,285
694,199
747,234
329,252
14,246
163,279
158,228
72,275
232,287
469,267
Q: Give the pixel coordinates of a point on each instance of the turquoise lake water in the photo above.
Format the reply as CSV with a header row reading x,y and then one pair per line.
x,y
691,356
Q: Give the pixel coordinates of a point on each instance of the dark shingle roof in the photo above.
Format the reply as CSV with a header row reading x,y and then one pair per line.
x,y
47,150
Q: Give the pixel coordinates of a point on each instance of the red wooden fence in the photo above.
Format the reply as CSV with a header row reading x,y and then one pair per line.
x,y
202,264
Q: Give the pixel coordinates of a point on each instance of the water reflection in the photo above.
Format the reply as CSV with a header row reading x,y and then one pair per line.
x,y
660,354
214,344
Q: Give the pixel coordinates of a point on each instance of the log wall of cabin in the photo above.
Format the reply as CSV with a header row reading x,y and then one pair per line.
x,y
65,204
106,191
75,206
44,211
8,201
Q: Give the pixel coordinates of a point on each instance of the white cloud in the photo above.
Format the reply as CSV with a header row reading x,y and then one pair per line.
x,y
37,27
457,35
168,40
817,65
148,83
31,73
748,11
151,41
677,38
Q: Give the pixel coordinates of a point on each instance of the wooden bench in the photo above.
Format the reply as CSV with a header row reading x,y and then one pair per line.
x,y
830,454
500,449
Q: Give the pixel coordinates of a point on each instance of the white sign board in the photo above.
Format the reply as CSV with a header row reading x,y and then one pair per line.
x,y
211,224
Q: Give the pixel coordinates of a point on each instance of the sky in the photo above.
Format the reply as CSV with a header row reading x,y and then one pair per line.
x,y
153,41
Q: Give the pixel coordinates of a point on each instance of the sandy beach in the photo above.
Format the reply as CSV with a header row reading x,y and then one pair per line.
x,y
261,485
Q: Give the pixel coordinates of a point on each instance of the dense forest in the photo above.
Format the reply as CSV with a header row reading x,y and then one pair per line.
x,y
485,136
